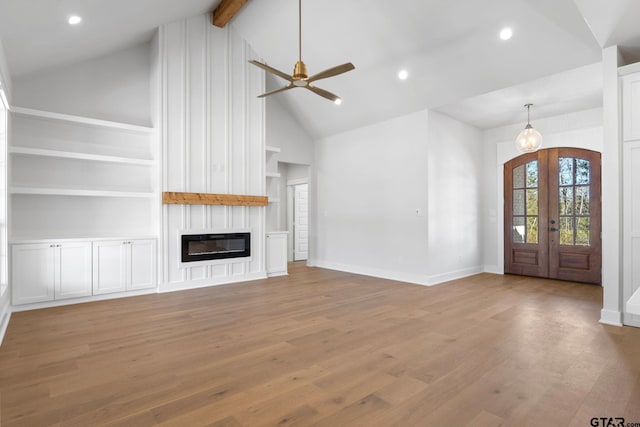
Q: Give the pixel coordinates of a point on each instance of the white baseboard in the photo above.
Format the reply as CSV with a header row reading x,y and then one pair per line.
x,y
373,272
493,269
400,276
93,298
629,319
5,316
454,275
610,317
205,283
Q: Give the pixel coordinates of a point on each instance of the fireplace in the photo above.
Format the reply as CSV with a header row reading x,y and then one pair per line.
x,y
215,246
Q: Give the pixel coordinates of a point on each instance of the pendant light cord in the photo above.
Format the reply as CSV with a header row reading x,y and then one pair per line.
x,y
528,113
300,30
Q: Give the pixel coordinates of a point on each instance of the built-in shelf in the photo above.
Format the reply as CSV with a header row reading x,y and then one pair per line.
x,y
270,149
81,178
48,115
76,155
43,191
272,175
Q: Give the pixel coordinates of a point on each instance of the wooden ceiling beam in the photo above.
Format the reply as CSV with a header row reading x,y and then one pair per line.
x,y
226,11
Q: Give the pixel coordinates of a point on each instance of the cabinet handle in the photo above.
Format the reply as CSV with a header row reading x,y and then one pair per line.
x,y
52,246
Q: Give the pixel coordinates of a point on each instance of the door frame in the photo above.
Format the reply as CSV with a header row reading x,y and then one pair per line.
x,y
552,259
588,139
290,206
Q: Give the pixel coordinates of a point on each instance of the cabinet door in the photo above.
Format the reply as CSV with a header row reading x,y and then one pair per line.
x,y
109,267
631,107
276,254
32,273
73,275
142,264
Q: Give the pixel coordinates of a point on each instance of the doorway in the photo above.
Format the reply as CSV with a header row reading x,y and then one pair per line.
x,y
300,222
552,215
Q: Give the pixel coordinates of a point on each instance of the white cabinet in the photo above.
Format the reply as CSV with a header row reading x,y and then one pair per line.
x,y
120,266
109,267
73,275
47,271
276,253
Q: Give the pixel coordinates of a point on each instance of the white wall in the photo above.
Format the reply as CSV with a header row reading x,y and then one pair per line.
x,y
5,75
288,171
212,142
112,87
284,132
389,194
454,202
580,130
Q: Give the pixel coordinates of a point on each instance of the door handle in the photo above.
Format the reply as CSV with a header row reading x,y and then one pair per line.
x,y
553,229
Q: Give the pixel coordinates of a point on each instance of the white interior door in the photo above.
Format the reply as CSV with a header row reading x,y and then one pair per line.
x,y
300,222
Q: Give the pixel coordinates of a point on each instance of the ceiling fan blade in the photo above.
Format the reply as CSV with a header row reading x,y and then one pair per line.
x,y
324,93
334,71
282,89
272,70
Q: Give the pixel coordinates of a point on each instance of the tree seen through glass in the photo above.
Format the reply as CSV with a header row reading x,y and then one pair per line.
x,y
574,201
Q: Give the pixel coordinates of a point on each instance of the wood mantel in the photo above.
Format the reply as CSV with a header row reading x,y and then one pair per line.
x,y
175,198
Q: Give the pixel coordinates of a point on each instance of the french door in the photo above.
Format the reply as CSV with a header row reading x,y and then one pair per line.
x,y
552,215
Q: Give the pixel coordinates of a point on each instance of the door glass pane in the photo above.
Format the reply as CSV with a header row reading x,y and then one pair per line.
x,y
582,171
518,202
518,177
532,174
566,231
582,201
565,195
583,231
532,202
518,229
574,201
565,170
532,229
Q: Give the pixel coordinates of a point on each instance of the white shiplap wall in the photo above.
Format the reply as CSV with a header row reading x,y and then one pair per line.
x,y
212,142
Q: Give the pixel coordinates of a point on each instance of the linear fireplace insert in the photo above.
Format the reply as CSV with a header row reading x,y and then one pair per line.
x,y
205,247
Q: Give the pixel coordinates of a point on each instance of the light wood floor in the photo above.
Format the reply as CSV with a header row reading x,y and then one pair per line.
x,y
325,348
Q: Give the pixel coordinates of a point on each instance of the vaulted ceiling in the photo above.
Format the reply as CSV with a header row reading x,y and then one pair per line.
x,y
456,62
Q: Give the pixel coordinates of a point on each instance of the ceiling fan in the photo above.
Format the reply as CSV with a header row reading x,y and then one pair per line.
x,y
300,78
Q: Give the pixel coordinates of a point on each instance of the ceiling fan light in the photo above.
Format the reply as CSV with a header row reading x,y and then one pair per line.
x,y
338,101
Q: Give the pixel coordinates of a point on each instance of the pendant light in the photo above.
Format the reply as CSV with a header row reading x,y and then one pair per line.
x,y
529,139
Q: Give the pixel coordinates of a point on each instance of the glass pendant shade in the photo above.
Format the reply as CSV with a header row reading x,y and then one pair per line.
x,y
529,139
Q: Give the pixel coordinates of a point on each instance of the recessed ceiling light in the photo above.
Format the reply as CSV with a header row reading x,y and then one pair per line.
x,y
74,20
506,33
403,74
338,101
